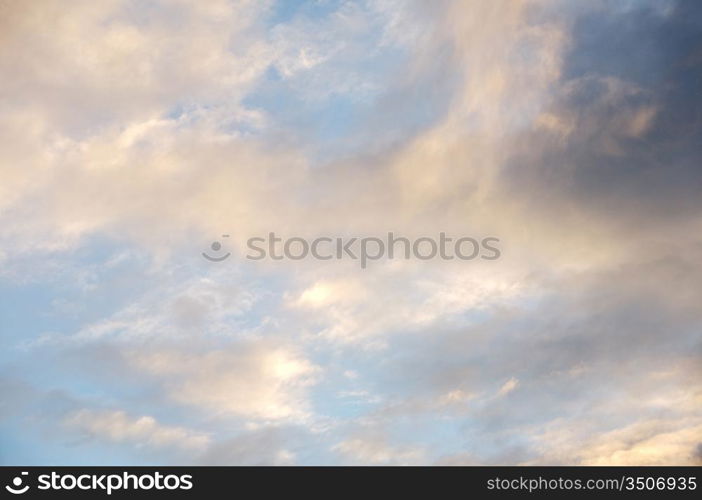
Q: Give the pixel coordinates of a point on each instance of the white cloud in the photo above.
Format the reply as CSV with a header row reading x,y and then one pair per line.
x,y
258,380
118,427
508,387
643,442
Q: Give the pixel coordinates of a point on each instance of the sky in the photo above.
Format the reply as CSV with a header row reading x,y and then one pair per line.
x,y
133,135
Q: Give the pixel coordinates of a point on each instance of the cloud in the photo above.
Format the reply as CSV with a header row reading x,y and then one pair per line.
x,y
118,427
648,442
374,450
508,387
255,380
266,446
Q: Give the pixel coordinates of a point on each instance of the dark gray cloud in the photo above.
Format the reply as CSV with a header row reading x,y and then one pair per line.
x,y
630,99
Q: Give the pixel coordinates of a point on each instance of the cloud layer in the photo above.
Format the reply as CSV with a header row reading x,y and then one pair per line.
x,y
135,134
